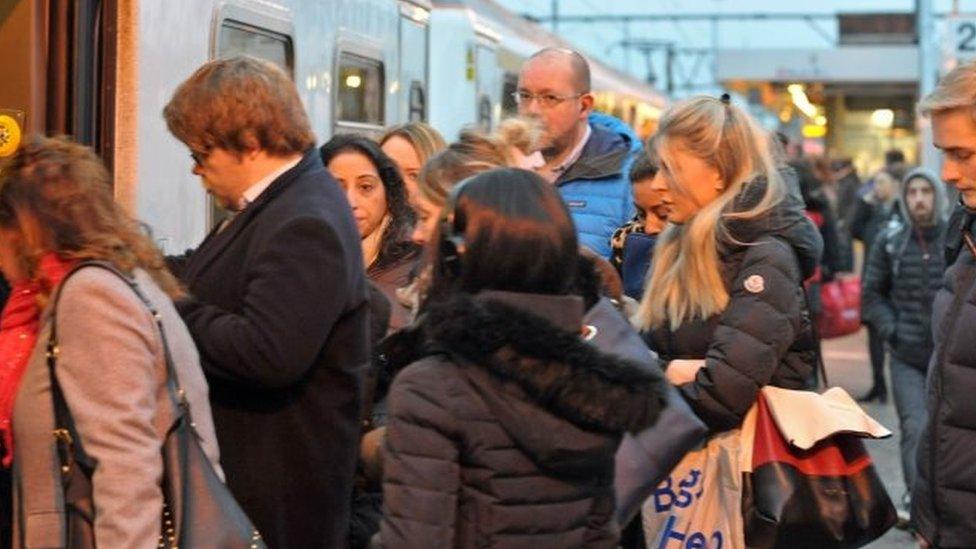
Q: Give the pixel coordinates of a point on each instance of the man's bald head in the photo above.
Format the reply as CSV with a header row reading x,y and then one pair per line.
x,y
576,63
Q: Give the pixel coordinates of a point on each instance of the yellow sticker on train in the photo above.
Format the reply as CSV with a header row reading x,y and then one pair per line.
x,y
10,135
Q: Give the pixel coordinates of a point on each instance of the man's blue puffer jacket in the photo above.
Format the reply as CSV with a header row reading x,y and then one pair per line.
x,y
596,188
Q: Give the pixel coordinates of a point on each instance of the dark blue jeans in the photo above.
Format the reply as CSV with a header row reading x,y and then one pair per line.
x,y
908,386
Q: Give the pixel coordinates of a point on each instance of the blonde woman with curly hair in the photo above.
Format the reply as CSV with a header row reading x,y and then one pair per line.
x,y
56,212
724,300
514,144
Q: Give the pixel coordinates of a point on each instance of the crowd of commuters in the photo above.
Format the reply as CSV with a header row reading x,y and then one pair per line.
x,y
502,340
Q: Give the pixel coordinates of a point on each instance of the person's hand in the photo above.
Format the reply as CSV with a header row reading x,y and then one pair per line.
x,y
922,544
370,453
683,371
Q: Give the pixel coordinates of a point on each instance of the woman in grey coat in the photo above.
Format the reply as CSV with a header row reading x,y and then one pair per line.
x,y
56,207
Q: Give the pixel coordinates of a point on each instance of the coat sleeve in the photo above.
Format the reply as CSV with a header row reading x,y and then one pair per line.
x,y
421,470
177,263
296,290
107,371
754,332
876,288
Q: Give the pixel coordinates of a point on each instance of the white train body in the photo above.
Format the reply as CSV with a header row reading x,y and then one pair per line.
x,y
359,65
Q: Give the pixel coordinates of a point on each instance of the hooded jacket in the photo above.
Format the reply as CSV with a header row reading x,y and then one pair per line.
x,y
505,432
944,496
596,188
764,335
903,273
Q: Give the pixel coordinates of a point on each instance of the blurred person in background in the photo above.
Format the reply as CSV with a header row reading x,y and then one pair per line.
x,y
586,155
895,163
724,302
820,211
903,274
872,214
848,185
378,199
410,146
503,384
513,144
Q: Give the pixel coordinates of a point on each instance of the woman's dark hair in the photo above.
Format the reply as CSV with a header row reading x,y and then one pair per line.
x,y
512,232
395,243
642,168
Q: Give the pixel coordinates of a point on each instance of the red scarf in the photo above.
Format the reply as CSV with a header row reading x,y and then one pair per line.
x,y
19,324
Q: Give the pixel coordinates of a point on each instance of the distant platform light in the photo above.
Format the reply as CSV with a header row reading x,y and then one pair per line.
x,y
883,118
813,131
801,100
354,81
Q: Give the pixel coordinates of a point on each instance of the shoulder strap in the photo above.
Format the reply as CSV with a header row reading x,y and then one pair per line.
x,y
62,414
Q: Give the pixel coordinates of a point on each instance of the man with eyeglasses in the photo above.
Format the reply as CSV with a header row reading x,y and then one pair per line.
x,y
278,302
587,154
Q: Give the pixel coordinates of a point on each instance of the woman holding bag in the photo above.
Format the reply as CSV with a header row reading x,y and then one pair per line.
x,y
56,213
725,288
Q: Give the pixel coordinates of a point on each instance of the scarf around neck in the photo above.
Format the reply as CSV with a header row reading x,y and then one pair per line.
x,y
19,326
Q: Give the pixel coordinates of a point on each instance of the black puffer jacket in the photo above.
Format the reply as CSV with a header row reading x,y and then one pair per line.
x,y
944,497
764,336
505,434
903,273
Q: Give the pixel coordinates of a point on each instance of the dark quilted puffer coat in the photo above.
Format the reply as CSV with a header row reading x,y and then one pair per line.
x,y
504,434
764,335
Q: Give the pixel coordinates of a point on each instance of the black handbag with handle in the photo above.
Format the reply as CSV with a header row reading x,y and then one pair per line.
x,y
199,510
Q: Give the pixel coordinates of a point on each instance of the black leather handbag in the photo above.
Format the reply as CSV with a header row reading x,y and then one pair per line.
x,y
199,510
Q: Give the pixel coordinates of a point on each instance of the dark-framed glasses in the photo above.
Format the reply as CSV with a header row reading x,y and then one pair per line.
x,y
199,157
545,100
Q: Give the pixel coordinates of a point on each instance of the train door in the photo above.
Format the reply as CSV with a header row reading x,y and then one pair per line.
x,y
414,38
488,84
59,73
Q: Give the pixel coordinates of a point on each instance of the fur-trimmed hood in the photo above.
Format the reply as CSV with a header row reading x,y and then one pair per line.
x,y
558,396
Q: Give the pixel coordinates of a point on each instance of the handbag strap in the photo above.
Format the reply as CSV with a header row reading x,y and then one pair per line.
x,y
821,368
176,392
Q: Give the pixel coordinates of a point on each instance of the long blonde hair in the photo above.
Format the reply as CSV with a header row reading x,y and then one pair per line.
x,y
685,280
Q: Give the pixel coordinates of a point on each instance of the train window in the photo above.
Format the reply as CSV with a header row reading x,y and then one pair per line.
x,y
360,90
237,38
417,106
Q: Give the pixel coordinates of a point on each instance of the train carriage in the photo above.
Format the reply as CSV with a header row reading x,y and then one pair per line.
x,y
102,71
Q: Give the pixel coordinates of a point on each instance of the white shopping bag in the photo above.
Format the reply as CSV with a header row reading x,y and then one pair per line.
x,y
700,504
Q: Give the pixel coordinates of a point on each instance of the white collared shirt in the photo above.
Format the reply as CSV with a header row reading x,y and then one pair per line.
x,y
555,172
254,191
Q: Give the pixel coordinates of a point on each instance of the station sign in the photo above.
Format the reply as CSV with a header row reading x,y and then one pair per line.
x,y
958,41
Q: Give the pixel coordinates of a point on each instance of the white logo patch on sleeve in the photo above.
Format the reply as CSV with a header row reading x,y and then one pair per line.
x,y
755,284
